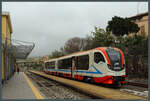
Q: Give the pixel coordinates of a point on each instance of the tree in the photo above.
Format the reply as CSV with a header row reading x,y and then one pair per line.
x,y
88,43
137,44
121,26
120,43
56,54
136,55
73,45
102,38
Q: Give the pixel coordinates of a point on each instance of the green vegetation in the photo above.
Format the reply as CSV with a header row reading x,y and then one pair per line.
x,y
121,26
102,38
56,54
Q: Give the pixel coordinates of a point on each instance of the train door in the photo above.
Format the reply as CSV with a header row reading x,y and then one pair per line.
x,y
73,67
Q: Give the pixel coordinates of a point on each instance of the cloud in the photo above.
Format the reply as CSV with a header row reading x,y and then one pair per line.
x,y
51,24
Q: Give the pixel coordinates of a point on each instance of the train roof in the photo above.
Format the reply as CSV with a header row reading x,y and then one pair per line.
x,y
77,53
81,53
51,60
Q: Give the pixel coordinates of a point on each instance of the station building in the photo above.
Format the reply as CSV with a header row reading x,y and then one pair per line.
x,y
7,58
142,21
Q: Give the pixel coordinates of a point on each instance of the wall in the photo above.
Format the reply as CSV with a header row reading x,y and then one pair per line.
x,y
6,57
3,42
143,22
137,66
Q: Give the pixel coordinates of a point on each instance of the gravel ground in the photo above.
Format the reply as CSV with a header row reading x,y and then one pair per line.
x,y
139,91
53,90
138,80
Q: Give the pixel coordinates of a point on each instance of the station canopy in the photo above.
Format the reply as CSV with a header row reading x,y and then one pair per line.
x,y
20,49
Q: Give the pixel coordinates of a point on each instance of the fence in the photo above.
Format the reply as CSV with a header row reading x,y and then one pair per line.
x,y
137,66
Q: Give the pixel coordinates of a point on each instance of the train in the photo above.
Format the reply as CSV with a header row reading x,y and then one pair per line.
x,y
103,65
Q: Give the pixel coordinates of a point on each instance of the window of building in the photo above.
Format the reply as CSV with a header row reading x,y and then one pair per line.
x,y
82,62
142,30
98,57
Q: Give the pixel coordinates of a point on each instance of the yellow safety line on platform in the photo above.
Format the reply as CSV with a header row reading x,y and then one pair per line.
x,y
35,91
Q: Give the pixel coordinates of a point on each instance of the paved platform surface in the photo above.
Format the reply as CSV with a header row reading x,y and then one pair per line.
x,y
17,88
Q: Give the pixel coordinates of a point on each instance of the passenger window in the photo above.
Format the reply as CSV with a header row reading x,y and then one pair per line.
x,y
98,57
82,62
65,63
52,65
47,65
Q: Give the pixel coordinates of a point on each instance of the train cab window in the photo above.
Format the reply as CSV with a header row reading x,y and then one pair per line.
x,y
82,62
98,57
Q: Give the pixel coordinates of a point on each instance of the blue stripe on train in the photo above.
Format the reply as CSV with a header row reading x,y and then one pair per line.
x,y
79,71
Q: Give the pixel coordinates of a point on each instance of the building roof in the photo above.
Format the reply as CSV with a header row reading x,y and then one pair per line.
x,y
138,16
9,20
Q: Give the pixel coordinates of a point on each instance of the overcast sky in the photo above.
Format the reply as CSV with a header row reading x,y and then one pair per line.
x,y
50,24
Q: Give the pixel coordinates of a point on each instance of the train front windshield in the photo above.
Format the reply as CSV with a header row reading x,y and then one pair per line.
x,y
115,59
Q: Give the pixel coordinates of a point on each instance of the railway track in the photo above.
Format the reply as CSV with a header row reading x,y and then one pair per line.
x,y
137,84
99,92
55,90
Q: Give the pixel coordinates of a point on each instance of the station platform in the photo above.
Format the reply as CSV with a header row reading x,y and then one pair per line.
x,y
19,86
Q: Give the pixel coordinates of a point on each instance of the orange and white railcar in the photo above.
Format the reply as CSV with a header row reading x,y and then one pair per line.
x,y
104,65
